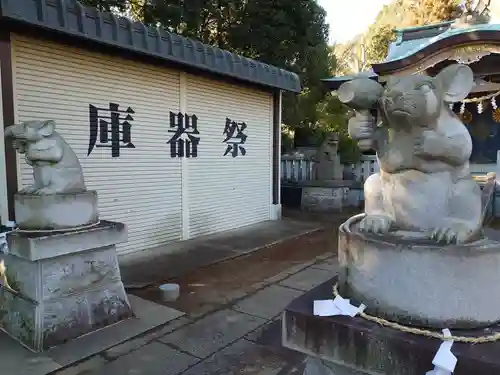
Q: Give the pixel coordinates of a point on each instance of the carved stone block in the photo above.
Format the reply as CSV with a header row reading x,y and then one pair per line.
x,y
56,211
324,199
36,246
59,298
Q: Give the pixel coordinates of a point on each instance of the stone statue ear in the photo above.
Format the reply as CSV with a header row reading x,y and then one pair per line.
x,y
455,82
47,128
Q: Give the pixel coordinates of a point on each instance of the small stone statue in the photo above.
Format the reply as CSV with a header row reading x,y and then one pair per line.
x,y
423,149
56,168
327,163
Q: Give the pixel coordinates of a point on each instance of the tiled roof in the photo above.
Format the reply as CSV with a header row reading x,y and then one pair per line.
x,y
75,20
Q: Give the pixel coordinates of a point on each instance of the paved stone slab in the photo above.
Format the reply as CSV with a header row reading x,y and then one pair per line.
x,y
268,334
290,271
268,302
148,316
138,342
332,266
316,366
17,360
307,279
213,332
326,256
153,359
84,367
242,357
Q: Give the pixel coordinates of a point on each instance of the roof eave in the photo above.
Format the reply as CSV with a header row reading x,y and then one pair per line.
x,y
333,83
88,23
468,37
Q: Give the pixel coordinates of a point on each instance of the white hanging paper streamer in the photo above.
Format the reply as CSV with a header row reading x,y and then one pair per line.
x,y
462,108
479,107
337,306
494,103
444,361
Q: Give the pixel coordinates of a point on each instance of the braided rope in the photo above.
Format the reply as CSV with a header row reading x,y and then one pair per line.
x,y
69,229
424,332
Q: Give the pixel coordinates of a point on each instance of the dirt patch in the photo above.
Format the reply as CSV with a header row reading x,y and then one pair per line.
x,y
210,288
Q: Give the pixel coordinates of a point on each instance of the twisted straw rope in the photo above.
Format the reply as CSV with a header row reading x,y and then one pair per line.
x,y
424,332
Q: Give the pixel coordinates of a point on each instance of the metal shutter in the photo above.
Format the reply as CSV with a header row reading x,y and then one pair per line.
x,y
227,192
141,187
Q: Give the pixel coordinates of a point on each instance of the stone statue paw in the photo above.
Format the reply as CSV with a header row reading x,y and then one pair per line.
x,y
453,232
28,190
377,224
44,191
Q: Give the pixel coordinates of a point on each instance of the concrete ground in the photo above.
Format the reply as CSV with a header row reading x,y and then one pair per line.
x,y
226,321
241,334
144,268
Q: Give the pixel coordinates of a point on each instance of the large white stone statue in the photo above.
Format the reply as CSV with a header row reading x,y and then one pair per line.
x,y
418,254
423,149
57,199
56,168
61,274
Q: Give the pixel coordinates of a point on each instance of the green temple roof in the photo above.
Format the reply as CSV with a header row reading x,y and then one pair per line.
x,y
403,48
415,43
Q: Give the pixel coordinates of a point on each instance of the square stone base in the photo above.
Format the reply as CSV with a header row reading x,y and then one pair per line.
x,y
323,199
59,298
347,345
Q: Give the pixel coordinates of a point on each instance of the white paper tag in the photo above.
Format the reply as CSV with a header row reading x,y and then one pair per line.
x,y
444,361
337,306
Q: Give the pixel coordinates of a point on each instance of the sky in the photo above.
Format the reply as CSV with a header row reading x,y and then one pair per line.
x,y
348,18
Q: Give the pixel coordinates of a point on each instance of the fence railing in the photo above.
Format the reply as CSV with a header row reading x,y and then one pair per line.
x,y
296,168
367,166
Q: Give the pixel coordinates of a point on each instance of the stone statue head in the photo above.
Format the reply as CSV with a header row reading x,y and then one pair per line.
x,y
331,139
419,100
31,131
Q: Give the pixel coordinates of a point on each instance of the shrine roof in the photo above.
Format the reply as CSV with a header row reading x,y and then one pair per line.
x,y
417,43
70,19
334,83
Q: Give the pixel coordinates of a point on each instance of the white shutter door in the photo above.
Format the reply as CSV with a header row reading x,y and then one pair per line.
x,y
141,187
227,192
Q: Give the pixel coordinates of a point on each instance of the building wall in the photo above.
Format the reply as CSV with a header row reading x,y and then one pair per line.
x,y
160,196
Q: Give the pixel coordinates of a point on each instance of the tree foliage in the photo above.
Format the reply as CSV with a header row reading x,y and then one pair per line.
x,y
351,57
405,13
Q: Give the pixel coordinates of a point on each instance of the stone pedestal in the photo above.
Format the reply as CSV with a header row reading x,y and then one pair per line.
x,y
67,284
412,280
342,345
57,211
329,196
